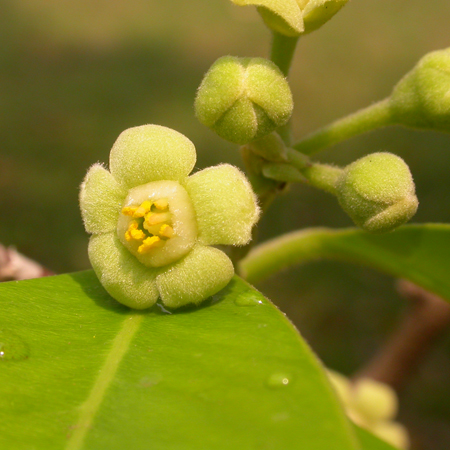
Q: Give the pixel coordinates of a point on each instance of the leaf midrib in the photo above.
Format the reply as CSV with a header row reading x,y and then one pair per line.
x,y
89,408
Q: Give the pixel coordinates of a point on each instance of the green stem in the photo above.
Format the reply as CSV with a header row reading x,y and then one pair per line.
x,y
283,172
286,251
374,116
321,176
282,54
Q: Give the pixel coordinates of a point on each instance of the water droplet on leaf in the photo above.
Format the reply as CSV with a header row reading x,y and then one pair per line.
x,y
248,299
12,347
279,379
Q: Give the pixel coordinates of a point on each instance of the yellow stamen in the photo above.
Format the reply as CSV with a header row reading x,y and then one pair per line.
x,y
129,210
138,235
134,232
156,218
166,231
161,204
149,243
142,210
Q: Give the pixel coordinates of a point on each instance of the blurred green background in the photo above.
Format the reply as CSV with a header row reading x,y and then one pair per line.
x,y
74,74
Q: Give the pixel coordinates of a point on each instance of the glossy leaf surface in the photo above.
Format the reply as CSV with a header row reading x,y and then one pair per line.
x,y
79,371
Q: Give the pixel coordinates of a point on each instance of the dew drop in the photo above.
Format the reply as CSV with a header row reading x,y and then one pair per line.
x,y
279,379
12,347
248,300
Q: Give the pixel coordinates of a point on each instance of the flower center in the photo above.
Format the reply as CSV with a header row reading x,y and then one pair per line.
x,y
152,226
157,223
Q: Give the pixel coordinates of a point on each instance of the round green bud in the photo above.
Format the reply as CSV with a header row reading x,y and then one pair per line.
x,y
421,98
243,99
317,12
377,192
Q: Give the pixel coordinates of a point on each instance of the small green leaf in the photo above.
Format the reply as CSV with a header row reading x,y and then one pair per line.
x,y
419,253
233,374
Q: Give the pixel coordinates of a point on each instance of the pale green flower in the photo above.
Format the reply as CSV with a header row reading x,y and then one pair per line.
x,y
153,226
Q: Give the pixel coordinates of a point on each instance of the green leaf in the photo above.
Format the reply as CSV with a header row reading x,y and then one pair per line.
x,y
371,442
419,253
79,371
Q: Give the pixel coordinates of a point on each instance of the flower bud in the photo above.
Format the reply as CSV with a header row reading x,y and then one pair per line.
x,y
284,16
317,12
377,192
421,98
243,99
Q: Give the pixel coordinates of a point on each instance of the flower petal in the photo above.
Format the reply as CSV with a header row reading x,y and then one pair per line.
x,y
201,273
100,200
121,274
221,87
151,153
225,205
267,87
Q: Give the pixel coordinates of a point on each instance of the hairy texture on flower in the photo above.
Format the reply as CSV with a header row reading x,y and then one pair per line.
x,y
421,98
98,191
152,224
238,200
243,99
371,405
178,286
137,158
378,192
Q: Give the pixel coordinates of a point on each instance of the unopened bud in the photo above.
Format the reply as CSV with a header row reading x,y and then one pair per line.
x,y
243,99
378,192
421,99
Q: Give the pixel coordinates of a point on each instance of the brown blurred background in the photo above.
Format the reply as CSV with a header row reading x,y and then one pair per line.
x,y
74,74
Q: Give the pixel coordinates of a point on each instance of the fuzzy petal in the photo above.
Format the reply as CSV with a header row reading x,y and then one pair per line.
x,y
267,87
100,200
221,87
151,153
121,274
225,205
202,273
